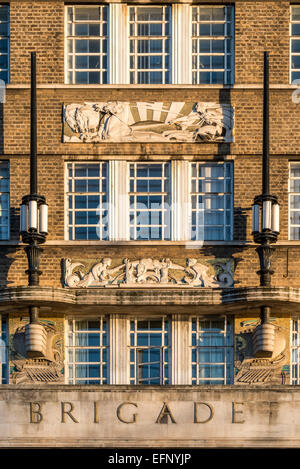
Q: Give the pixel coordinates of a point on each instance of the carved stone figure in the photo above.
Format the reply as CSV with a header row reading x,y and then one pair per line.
x,y
148,271
199,273
117,121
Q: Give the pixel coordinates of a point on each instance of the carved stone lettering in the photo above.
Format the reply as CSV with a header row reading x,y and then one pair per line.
x,y
68,411
134,416
211,412
237,410
35,412
165,414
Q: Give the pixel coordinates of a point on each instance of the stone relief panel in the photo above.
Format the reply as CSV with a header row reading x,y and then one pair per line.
x,y
120,121
217,273
36,370
259,371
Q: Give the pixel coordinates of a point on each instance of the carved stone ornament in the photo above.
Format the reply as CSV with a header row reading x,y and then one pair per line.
x,y
120,121
37,370
147,271
260,371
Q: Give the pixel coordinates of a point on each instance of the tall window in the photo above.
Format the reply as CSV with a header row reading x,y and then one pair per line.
x,y
87,33
295,352
149,201
294,201
87,351
150,44
149,352
211,201
86,201
4,43
295,43
212,44
212,351
3,351
4,200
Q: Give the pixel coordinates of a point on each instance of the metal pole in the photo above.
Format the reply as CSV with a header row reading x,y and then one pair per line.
x,y
265,169
33,132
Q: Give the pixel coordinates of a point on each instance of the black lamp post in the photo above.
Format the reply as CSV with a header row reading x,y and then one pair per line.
x,y
33,216
265,230
265,210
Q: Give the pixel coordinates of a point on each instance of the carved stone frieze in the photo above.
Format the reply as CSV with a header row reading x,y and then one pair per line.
x,y
148,271
36,370
120,121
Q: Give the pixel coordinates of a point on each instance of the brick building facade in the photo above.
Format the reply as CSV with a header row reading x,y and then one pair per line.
x,y
161,313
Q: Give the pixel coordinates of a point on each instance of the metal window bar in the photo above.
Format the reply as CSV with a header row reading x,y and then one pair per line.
x,y
149,209
149,364
213,64
87,339
87,44
87,210
206,334
201,212
150,45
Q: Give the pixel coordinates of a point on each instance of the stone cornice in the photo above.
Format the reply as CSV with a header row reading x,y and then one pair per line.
x,y
160,300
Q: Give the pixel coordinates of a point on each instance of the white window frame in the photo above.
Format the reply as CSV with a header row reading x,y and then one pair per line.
x,y
118,51
291,39
225,194
290,194
101,347
197,380
74,37
163,348
164,38
295,350
118,197
214,54
165,196
73,194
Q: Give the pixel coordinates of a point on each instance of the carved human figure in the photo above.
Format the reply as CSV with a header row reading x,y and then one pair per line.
x,y
198,272
209,122
115,119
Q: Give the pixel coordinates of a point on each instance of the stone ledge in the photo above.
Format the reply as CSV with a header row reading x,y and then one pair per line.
x,y
157,300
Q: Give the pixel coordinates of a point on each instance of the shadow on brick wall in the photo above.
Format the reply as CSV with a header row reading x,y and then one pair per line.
x,y
224,253
224,98
240,215
8,254
7,258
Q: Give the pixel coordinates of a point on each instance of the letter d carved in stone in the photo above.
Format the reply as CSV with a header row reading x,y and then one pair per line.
x,y
196,417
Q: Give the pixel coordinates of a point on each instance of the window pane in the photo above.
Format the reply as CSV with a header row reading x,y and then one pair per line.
x,y
149,360
149,212
149,44
215,23
212,351
87,352
89,193
209,219
90,23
